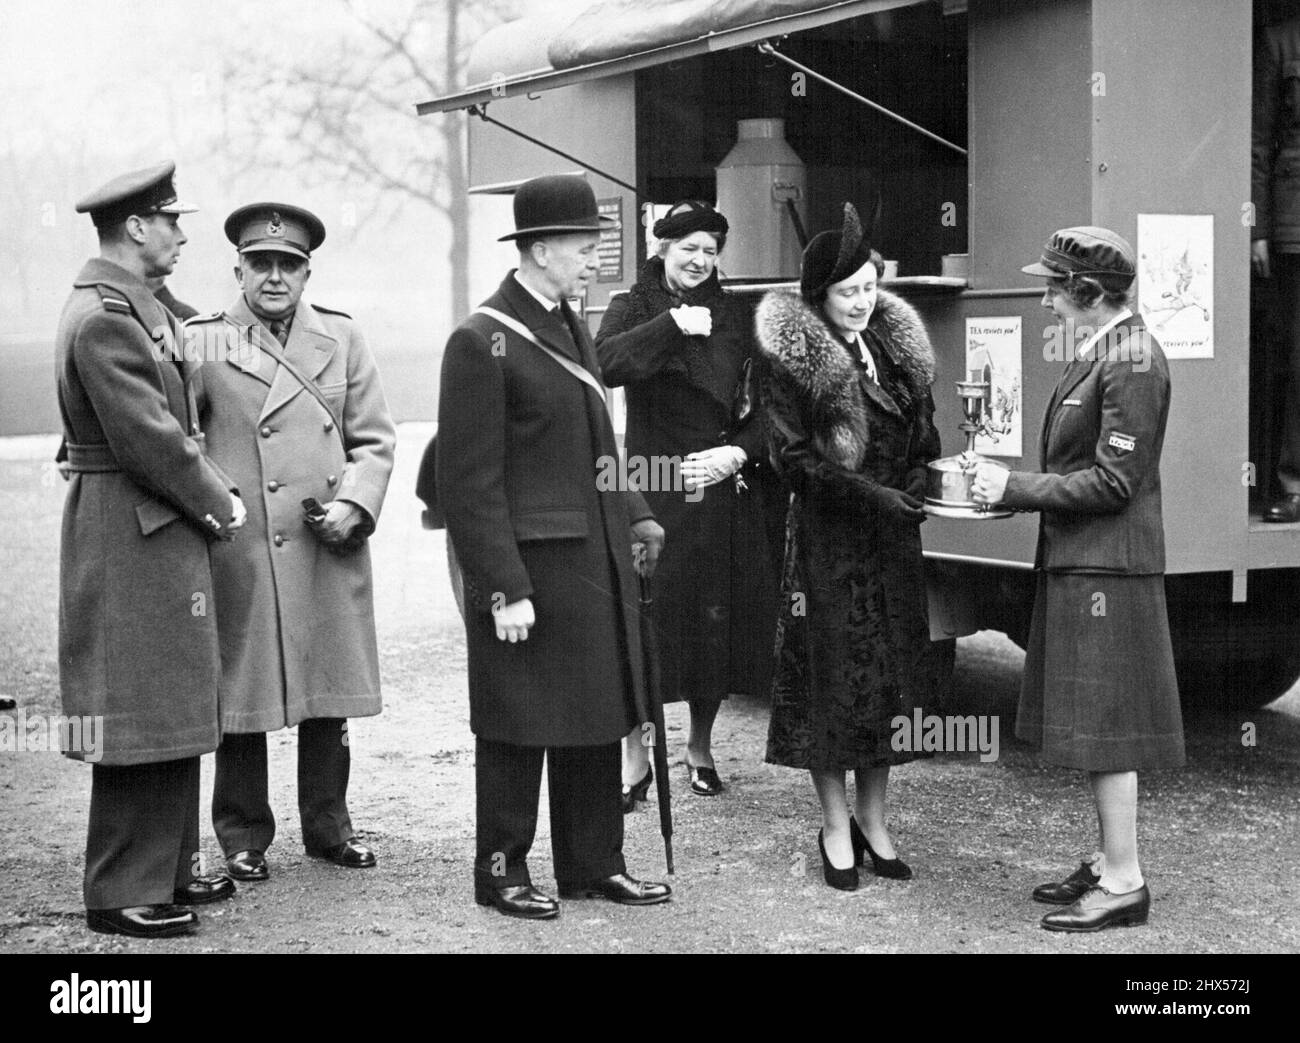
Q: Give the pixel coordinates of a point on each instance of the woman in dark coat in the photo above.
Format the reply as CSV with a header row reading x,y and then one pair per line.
x,y
850,415
1099,690
683,350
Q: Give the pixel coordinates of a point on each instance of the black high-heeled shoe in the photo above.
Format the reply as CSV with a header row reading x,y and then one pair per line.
x,y
637,791
892,868
841,879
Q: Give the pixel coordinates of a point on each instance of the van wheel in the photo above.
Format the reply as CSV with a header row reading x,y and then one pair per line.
x,y
1236,657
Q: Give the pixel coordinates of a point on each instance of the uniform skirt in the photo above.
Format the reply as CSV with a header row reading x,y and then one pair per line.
x,y
1099,690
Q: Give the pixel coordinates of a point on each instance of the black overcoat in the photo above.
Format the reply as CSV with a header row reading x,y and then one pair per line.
x,y
854,646
715,591
520,445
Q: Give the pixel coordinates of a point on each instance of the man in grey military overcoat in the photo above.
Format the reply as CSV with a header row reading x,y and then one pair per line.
x,y
137,631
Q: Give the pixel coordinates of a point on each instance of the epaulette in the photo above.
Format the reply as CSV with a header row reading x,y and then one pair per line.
x,y
112,301
331,311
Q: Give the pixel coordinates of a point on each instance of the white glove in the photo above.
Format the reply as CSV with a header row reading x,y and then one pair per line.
x,y
238,513
514,620
710,466
693,320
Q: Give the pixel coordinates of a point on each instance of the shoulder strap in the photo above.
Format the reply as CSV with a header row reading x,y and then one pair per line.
x,y
581,372
272,347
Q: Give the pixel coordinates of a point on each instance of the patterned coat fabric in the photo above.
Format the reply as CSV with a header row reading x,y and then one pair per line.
x,y
853,644
137,630
296,618
714,589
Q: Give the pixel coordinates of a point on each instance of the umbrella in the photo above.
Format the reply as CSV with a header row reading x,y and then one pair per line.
x,y
650,646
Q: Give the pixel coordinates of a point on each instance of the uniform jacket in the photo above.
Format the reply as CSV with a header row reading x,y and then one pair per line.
x,y
1099,489
135,586
1275,136
519,447
296,619
715,591
853,645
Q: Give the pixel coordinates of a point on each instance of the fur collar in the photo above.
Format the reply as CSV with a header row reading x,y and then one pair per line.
x,y
802,347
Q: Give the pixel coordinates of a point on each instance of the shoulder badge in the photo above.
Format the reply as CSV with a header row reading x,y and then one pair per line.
x,y
112,302
331,311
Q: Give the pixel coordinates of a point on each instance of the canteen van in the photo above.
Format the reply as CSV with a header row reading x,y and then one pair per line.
x,y
965,131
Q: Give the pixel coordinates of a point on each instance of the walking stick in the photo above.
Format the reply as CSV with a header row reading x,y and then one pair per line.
x,y
650,648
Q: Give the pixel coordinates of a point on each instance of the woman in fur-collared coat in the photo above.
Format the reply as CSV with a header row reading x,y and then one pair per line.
x,y
851,422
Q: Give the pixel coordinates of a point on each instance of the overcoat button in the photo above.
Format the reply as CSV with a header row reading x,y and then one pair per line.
x,y
278,540
329,426
273,486
332,481
266,432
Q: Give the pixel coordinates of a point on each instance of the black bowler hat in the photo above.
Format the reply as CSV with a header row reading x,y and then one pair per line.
x,y
560,204
833,256
278,227
141,192
1086,250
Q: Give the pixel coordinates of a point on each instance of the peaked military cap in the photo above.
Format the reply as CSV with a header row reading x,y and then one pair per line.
x,y
141,192
275,226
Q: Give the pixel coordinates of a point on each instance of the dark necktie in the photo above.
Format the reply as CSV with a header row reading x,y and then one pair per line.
x,y
280,330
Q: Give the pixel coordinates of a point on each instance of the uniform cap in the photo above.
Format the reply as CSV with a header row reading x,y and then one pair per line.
x,y
141,192
275,226
1086,250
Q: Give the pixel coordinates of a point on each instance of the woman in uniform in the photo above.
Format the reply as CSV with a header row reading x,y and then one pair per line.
x,y
1099,690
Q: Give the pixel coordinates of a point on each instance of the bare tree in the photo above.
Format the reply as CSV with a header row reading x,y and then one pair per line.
x,y
346,113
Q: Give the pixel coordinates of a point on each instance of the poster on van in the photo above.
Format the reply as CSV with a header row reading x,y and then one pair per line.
x,y
1175,282
993,347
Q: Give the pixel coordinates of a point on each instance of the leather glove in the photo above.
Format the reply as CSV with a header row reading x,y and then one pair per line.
x,y
896,505
915,484
649,534
710,466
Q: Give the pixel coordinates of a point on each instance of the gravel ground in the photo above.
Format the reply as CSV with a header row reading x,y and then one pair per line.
x,y
1220,839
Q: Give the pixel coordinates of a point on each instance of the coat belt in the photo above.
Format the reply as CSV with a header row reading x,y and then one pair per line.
x,y
99,458
91,458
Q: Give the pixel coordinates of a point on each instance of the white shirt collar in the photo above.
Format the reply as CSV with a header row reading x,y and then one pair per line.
x,y
1127,313
545,302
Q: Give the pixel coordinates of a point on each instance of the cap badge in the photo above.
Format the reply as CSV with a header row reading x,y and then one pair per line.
x,y
275,226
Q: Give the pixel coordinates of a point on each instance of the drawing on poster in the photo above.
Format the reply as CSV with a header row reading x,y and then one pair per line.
x,y
993,346
1176,282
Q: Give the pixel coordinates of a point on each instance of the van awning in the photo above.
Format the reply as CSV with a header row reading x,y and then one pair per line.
x,y
631,38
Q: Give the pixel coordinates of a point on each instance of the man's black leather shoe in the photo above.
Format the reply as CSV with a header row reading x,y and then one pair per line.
x,y
1070,889
248,865
142,921
620,888
524,901
1100,908
204,889
351,854
1284,509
